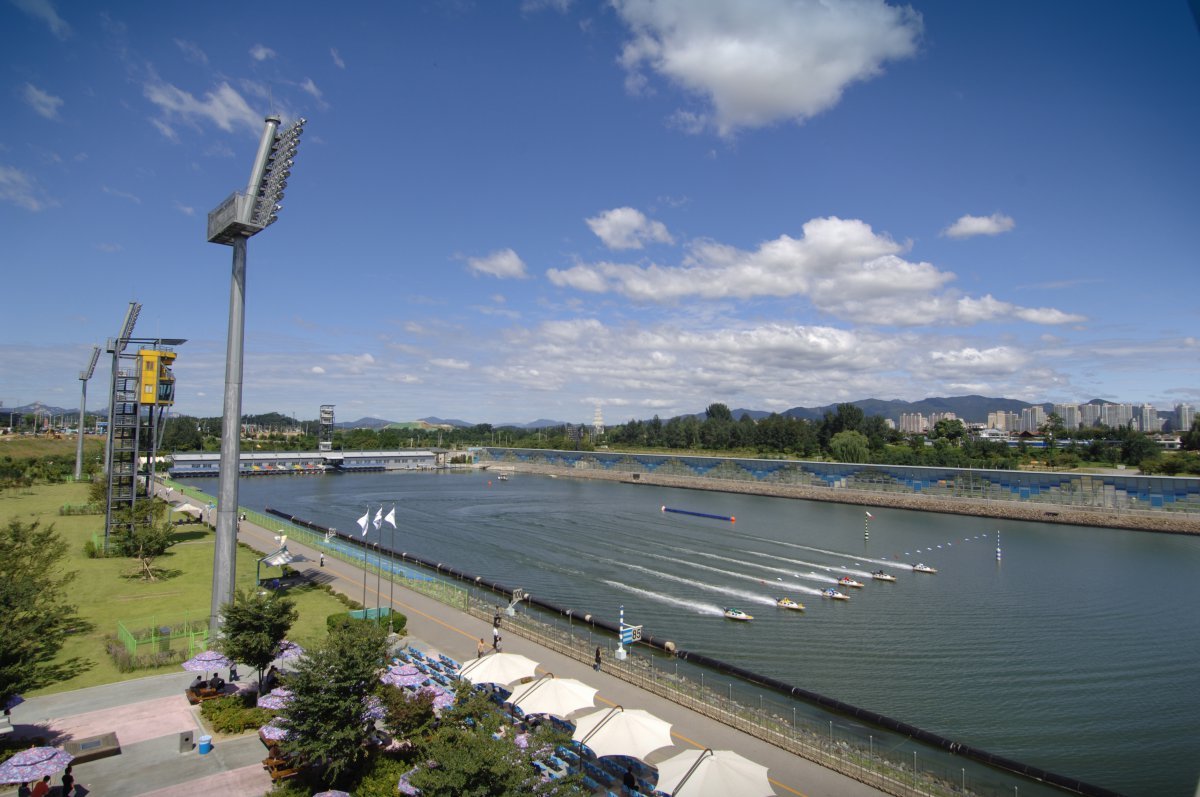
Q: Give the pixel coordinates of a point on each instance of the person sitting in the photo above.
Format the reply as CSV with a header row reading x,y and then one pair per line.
x,y
215,683
271,679
197,684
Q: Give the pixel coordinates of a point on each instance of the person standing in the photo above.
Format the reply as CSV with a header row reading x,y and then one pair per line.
x,y
68,781
480,648
42,788
24,791
596,666
322,558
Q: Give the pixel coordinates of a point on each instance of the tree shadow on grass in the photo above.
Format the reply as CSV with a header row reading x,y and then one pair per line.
x,y
191,536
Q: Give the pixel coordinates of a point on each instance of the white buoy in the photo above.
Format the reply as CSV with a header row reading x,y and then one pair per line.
x,y
997,545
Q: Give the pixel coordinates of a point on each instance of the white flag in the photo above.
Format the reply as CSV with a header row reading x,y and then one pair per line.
x,y
362,522
378,518
391,516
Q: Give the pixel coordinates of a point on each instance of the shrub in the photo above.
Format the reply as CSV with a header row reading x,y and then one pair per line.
x,y
235,713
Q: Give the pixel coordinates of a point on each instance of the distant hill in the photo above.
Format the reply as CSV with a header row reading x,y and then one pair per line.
x,y
434,421
969,409
540,423
363,423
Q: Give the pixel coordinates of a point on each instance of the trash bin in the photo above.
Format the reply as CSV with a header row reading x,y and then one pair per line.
x,y
205,744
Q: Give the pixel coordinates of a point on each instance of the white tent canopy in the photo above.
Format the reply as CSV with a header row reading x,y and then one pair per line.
x,y
620,731
712,773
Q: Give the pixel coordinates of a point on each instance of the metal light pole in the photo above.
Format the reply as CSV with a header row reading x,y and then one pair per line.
x,y
231,223
84,376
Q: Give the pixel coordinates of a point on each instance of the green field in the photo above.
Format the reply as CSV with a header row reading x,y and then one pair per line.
x,y
108,590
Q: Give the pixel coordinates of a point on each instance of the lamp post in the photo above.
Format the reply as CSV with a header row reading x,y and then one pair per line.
x,y
84,376
232,223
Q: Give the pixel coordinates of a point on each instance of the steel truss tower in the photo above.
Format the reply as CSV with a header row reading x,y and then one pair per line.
x,y
325,441
142,389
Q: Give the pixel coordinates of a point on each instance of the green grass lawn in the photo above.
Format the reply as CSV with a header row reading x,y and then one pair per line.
x,y
105,591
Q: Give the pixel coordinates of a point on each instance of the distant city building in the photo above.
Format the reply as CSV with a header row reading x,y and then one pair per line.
x,y
1184,417
934,417
1004,421
1089,415
889,423
913,423
1116,415
1069,415
1149,421
1032,419
598,422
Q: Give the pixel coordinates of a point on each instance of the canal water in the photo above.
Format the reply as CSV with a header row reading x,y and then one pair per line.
x,y
1078,652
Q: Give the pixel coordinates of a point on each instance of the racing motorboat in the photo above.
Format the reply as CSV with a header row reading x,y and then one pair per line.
x,y
846,581
738,614
921,567
788,603
833,593
879,575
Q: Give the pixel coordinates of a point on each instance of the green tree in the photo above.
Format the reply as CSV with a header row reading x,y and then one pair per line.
x,y
407,716
181,433
327,715
148,534
36,615
253,625
850,447
950,430
718,412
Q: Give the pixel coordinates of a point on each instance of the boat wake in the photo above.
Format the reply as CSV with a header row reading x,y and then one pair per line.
x,y
696,606
855,557
758,579
750,597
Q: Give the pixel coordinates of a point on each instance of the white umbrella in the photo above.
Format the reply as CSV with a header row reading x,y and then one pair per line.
x,y
550,695
619,731
712,773
499,668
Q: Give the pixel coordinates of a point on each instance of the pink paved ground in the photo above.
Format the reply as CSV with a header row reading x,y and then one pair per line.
x,y
149,719
247,780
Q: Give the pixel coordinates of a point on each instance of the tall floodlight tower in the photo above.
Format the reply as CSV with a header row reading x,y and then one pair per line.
x,y
598,422
84,376
232,223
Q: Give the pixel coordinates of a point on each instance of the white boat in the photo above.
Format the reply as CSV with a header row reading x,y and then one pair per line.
x,y
846,581
921,567
833,593
788,603
738,614
879,575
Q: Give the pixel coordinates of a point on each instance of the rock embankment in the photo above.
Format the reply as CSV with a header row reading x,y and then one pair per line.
x,y
1011,510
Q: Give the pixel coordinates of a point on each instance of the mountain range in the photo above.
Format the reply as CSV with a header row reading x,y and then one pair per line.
x,y
969,409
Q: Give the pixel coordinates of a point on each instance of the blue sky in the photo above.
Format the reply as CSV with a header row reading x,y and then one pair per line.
x,y
502,211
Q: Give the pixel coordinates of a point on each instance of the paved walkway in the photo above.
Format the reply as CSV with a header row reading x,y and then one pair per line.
x,y
148,714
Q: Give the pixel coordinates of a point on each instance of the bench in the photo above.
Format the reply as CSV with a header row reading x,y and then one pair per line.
x,y
195,696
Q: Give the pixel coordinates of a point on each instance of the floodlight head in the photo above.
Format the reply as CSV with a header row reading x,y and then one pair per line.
x,y
131,317
86,374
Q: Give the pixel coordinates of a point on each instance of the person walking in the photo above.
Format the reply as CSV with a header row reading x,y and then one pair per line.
x,y
596,666
322,559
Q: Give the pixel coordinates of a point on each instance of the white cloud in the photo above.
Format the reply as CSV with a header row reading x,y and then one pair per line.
x,y
121,194
109,247
337,59
504,264
451,363
192,51
261,52
969,226
763,62
628,228
841,265
43,103
998,360
309,86
44,10
531,6
354,363
223,107
316,369
167,131
184,209
20,189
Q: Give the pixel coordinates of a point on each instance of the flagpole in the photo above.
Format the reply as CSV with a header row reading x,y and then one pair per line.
x,y
378,563
392,571
364,602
